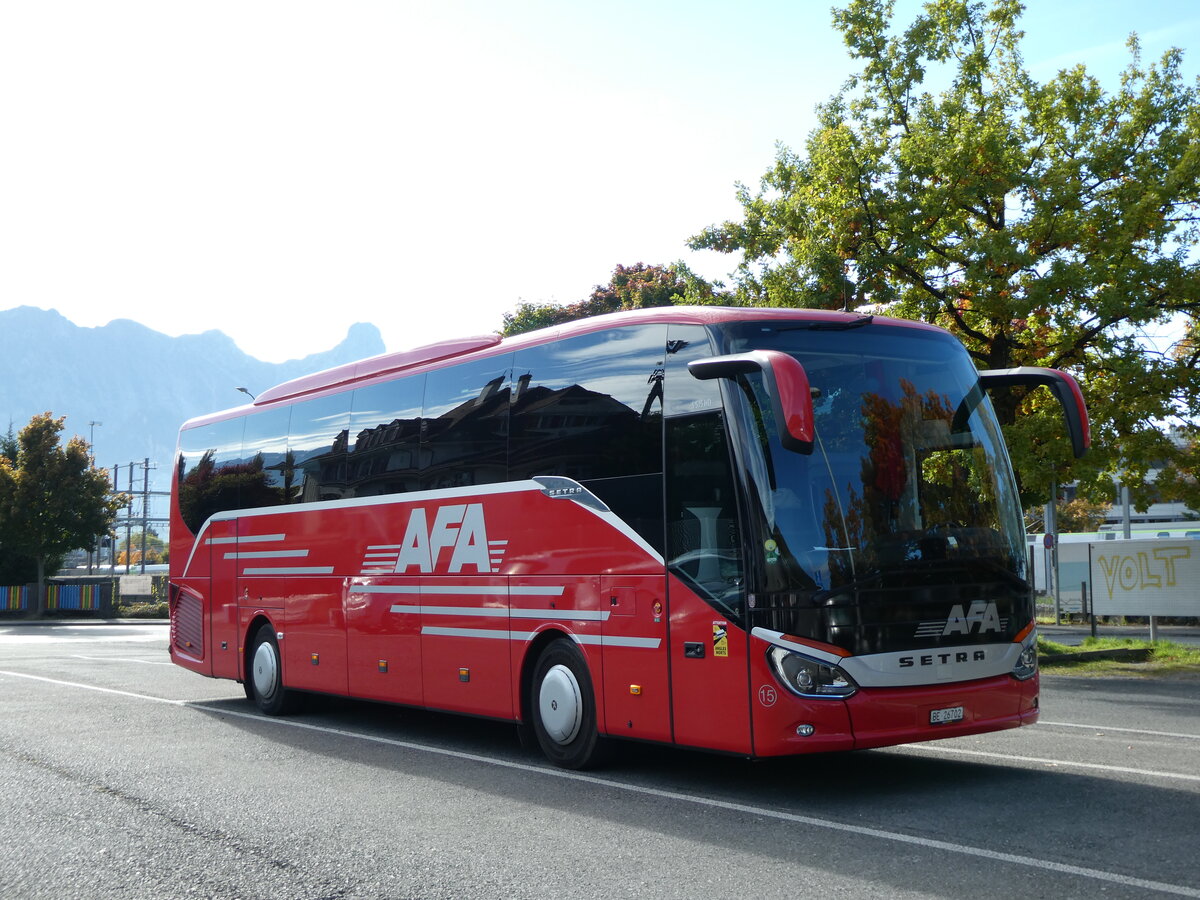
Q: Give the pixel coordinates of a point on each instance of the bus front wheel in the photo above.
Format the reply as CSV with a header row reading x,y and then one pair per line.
x,y
562,705
264,681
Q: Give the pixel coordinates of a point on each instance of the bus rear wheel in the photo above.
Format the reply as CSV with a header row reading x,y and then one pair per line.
x,y
562,705
264,681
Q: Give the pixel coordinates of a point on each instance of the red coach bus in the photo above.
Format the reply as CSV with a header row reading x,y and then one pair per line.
x,y
761,532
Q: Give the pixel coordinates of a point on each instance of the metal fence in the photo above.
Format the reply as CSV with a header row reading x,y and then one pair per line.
x,y
16,597
62,595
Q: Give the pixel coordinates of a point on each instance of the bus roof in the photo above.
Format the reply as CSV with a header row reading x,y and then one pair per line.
x,y
346,375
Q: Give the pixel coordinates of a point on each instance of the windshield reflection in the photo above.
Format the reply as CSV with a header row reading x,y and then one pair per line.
x,y
906,505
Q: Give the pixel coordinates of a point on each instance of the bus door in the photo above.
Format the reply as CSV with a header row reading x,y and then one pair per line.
x,y
709,674
710,682
636,699
224,641
706,586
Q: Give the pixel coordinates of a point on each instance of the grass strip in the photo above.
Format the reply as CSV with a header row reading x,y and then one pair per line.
x,y
1165,657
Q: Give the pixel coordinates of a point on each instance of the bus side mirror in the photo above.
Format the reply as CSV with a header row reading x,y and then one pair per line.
x,y
1065,388
786,386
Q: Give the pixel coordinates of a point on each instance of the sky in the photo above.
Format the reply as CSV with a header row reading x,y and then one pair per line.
x,y
281,170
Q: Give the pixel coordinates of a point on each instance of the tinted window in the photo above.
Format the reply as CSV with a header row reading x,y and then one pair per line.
x,y
591,406
464,424
385,437
270,476
687,395
905,507
703,533
317,445
590,409
210,471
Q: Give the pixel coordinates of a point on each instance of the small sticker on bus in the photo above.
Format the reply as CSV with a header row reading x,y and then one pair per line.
x,y
720,639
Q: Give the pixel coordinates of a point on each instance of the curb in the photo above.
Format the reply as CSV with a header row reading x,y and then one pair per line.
x,y
6,622
1120,654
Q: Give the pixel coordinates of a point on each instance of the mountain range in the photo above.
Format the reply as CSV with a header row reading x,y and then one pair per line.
x,y
137,385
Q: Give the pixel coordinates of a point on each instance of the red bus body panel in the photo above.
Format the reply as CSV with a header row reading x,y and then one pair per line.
x,y
383,648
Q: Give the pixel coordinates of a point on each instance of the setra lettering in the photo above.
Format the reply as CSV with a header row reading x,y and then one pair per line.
x,y
942,659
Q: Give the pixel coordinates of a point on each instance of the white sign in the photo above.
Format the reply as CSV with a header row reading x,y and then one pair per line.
x,y
137,585
1146,578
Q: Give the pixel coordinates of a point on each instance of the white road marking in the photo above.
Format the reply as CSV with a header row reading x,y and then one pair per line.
x,y
693,799
1052,763
93,687
81,639
144,662
1108,728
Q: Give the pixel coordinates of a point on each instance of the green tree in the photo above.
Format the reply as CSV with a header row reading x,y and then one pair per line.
x,y
631,287
52,499
130,550
1043,224
1081,515
9,446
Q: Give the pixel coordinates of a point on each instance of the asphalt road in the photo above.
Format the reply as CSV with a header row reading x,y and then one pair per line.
x,y
124,776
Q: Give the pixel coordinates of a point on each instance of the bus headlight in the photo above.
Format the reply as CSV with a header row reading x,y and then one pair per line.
x,y
809,677
1027,662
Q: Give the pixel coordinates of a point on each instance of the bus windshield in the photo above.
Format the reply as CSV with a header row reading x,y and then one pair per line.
x,y
904,516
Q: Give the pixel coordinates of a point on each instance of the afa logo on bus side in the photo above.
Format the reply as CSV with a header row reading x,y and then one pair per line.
x,y
458,528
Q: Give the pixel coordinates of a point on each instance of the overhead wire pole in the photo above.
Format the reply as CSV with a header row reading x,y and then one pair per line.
x,y
129,525
141,518
112,551
93,550
145,507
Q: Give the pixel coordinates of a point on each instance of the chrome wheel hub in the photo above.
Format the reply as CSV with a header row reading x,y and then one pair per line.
x,y
265,670
560,704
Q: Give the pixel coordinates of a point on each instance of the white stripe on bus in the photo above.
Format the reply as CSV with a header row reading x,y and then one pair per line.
x,y
496,612
290,570
496,633
492,612
266,554
474,590
247,539
562,615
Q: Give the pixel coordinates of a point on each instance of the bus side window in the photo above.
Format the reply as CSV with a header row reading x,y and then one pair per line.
x,y
464,424
383,456
207,470
317,443
268,474
589,408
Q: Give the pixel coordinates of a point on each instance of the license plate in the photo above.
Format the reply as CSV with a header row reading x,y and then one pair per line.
x,y
942,716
